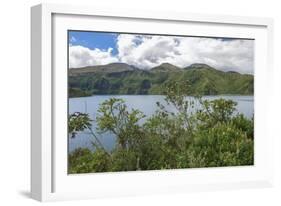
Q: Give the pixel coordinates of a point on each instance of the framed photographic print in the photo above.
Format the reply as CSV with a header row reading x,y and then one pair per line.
x,y
134,102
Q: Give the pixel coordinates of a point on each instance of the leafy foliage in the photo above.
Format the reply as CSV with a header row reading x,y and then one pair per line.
x,y
212,135
85,161
115,118
78,122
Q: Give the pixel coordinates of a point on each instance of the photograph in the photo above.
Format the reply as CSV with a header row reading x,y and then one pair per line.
x,y
139,101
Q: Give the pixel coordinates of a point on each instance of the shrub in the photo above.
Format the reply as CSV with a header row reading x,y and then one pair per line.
x,y
212,136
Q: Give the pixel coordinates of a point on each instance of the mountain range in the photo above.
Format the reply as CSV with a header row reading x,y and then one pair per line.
x,y
121,78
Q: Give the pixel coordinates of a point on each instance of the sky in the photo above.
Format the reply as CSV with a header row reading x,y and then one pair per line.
x,y
147,51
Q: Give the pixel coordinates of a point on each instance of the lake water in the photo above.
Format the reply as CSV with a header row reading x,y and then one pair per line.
x,y
145,103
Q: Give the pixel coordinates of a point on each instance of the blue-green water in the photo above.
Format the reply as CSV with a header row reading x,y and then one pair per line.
x,y
145,103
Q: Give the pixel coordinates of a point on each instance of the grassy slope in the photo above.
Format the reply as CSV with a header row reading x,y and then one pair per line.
x,y
203,79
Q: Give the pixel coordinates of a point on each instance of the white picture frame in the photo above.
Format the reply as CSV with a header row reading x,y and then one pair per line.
x,y
49,179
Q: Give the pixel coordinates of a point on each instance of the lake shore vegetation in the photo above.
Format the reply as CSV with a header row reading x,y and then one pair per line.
x,y
214,135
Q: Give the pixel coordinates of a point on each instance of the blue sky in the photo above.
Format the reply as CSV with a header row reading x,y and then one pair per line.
x,y
101,40
92,40
87,48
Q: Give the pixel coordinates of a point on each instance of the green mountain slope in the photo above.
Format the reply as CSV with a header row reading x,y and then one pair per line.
x,y
109,68
120,78
165,67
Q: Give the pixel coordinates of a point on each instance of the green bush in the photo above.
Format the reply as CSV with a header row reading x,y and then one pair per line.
x,y
84,161
212,136
222,145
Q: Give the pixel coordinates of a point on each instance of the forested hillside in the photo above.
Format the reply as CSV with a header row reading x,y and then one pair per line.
x,y
120,78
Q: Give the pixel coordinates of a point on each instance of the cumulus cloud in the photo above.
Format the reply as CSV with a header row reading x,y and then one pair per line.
x,y
80,56
149,51
145,52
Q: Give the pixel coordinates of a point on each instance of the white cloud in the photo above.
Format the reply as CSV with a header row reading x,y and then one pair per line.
x,y
235,55
80,56
146,51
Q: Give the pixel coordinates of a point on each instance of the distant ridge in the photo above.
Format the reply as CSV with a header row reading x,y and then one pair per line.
x,y
121,67
121,78
108,68
165,67
199,66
